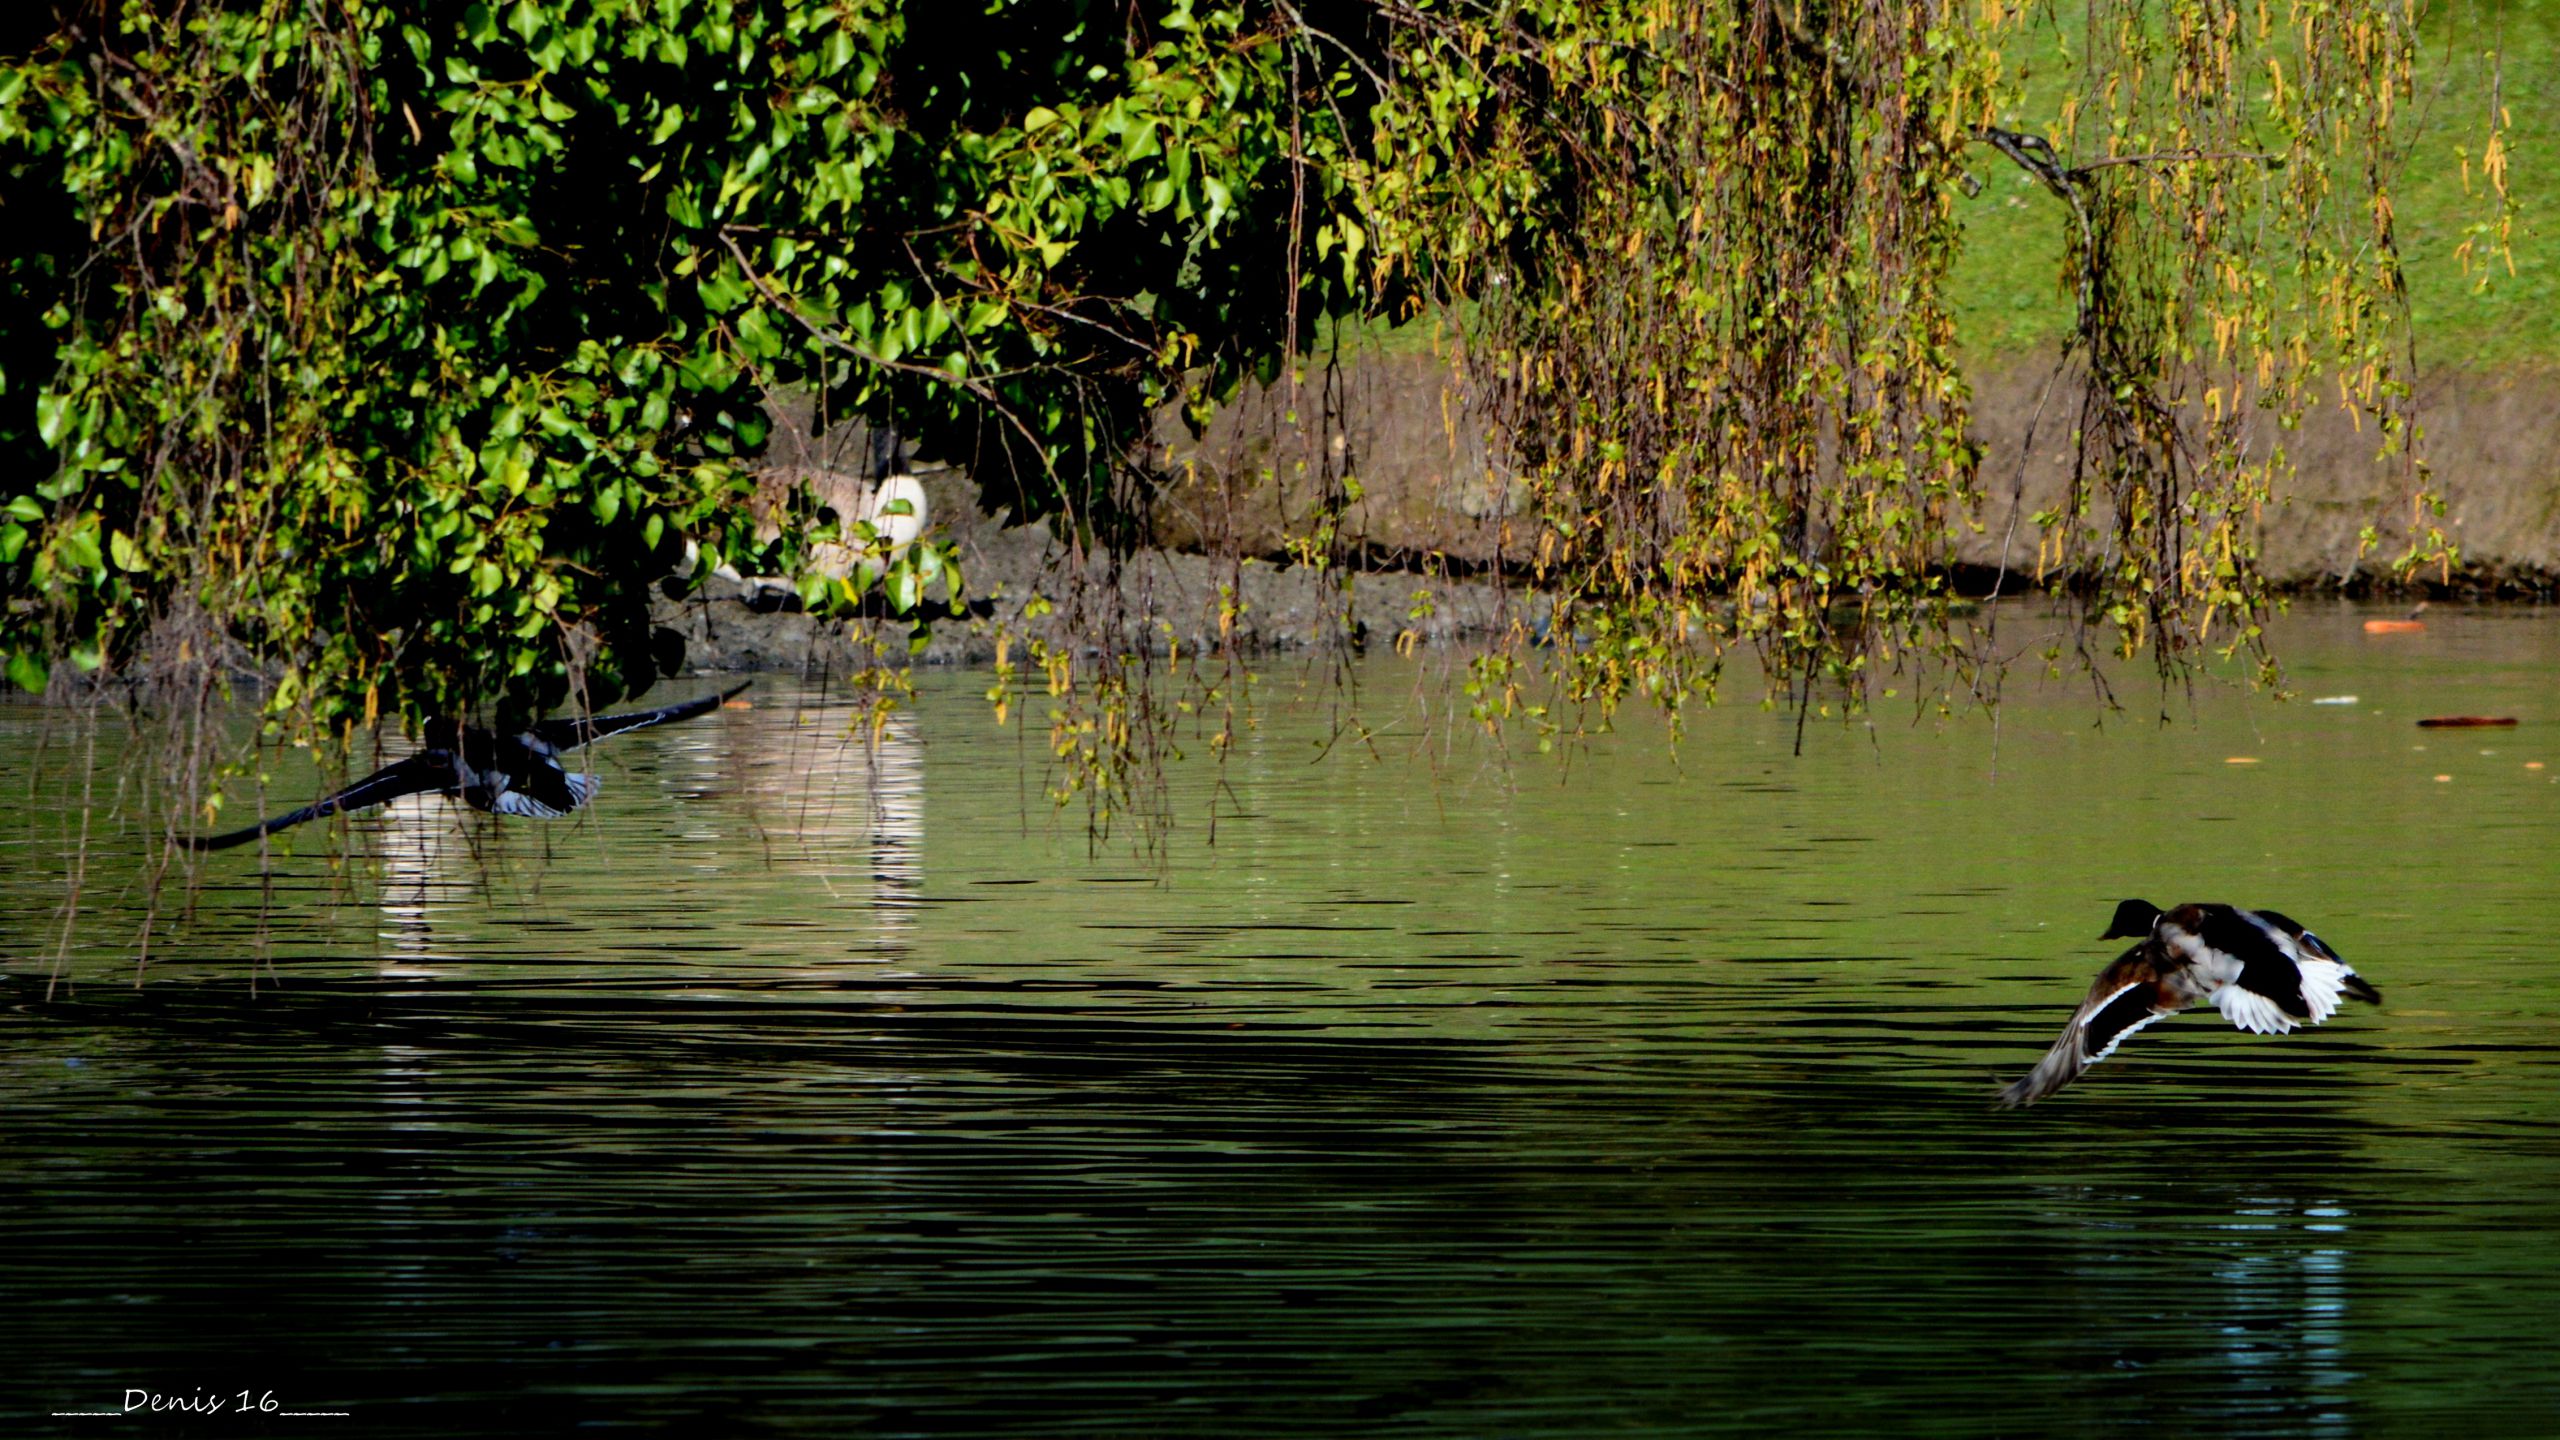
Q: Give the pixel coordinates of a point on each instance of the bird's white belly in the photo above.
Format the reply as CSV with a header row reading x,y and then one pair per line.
x,y
2215,968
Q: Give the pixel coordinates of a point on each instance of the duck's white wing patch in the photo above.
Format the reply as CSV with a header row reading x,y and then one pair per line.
x,y
2323,982
518,803
2254,1012
2138,1026
582,788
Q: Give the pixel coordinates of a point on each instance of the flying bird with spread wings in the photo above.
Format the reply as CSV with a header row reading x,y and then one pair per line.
x,y
2262,970
517,774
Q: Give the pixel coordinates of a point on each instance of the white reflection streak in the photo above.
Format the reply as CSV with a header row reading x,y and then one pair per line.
x,y
2291,1271
841,803
837,805
427,867
897,824
860,797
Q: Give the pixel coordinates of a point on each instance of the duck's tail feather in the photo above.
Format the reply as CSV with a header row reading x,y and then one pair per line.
x,y
2324,983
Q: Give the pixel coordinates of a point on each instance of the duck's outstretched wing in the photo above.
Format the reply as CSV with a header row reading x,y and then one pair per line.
x,y
570,733
2272,977
2315,949
402,777
2126,998
2316,982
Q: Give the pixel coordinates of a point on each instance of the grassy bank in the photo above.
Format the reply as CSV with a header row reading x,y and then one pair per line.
x,y
2011,303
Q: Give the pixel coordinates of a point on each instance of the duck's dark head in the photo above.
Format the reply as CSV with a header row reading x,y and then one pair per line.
x,y
2134,919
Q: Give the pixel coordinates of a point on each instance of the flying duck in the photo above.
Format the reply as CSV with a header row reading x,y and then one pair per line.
x,y
2262,970
517,774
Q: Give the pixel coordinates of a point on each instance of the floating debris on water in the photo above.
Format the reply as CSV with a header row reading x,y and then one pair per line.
x,y
2335,700
2464,722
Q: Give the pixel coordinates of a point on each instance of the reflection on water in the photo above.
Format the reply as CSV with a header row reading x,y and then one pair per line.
x,y
429,865
805,1087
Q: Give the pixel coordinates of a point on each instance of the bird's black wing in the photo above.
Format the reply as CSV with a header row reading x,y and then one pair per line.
x,y
2351,985
402,777
2264,968
2107,1026
571,733
2125,999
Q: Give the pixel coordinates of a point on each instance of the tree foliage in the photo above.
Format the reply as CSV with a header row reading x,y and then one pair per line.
x,y
408,354
1713,253
400,351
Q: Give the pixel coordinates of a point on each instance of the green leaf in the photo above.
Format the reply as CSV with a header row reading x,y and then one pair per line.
x,y
756,336
80,549
51,412
1040,118
28,671
127,555
903,587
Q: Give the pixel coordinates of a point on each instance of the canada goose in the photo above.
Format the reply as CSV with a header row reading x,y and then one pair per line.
x,y
517,774
2262,970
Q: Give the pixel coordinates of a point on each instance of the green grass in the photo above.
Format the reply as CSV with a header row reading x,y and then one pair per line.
x,y
2010,298
2010,302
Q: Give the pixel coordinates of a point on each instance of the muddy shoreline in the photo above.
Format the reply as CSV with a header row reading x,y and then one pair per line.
x,y
1429,531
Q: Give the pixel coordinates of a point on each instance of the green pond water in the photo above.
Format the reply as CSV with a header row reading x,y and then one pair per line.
x,y
804,1089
